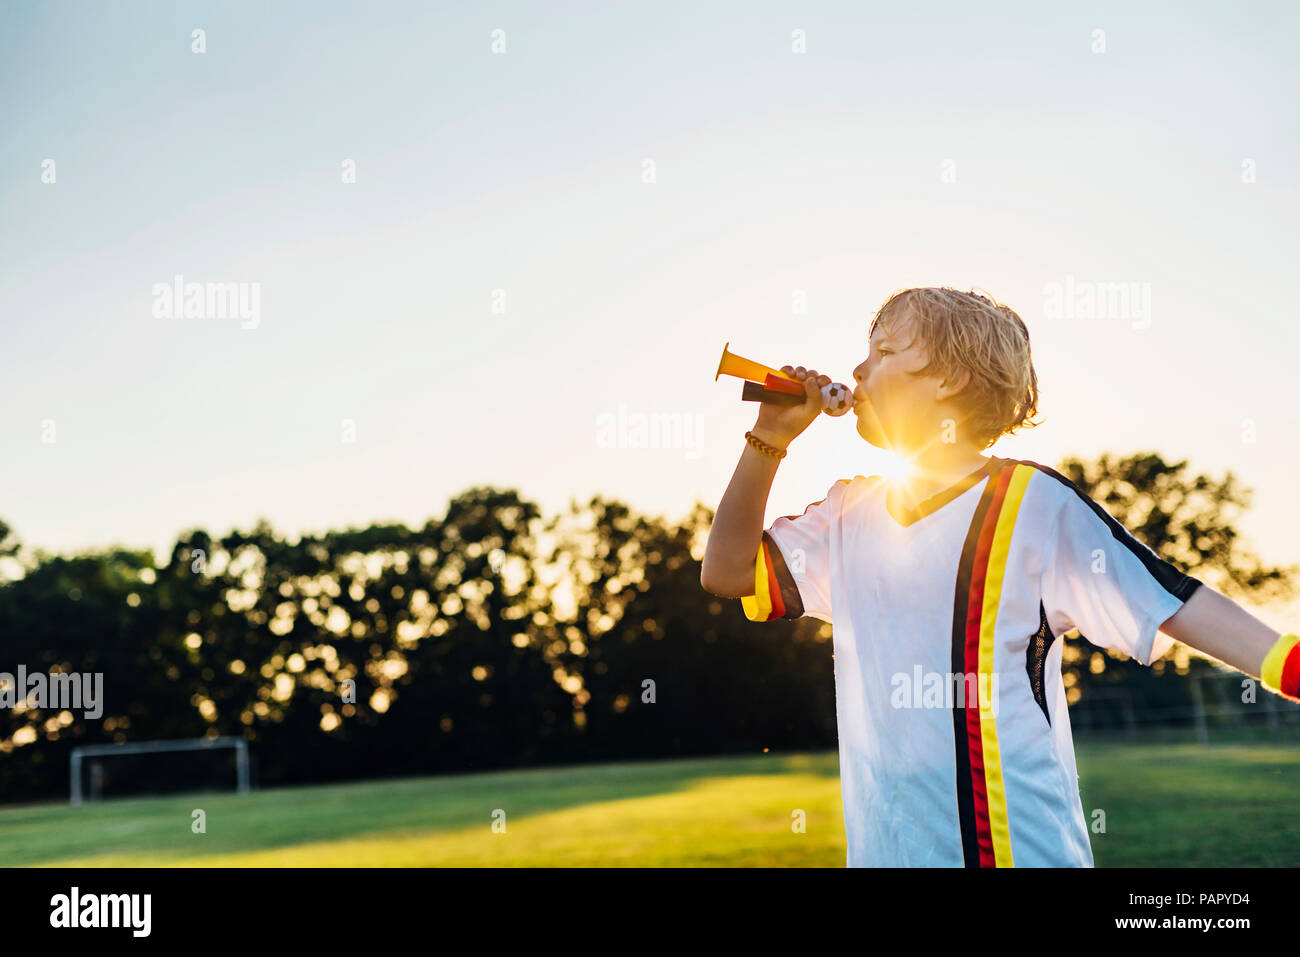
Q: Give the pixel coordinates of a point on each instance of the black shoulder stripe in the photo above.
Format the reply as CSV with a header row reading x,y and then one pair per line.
x,y
1170,578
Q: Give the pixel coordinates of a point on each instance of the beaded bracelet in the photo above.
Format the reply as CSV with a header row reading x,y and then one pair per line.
x,y
1281,669
763,447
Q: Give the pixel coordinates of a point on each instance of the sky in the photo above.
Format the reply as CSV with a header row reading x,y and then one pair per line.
x,y
560,213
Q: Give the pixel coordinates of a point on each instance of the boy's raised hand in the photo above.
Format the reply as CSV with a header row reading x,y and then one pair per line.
x,y
780,425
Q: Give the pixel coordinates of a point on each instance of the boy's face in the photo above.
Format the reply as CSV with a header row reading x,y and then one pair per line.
x,y
897,410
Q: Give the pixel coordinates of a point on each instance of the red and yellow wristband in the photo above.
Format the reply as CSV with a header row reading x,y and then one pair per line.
x,y
1281,670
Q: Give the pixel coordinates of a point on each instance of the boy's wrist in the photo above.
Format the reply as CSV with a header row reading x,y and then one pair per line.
x,y
774,439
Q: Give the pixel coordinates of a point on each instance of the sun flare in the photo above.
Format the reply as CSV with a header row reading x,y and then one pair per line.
x,y
896,469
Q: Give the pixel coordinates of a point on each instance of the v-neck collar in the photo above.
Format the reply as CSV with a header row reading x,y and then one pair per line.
x,y
938,500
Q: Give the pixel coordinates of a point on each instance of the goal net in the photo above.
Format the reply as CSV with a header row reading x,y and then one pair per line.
x,y
138,768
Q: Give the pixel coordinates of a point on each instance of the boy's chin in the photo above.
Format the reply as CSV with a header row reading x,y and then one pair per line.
x,y
871,432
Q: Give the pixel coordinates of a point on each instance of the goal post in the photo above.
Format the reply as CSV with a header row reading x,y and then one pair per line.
x,y
81,752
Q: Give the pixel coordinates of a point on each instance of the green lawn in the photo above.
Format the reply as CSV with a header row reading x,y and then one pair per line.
x,y
1178,805
1189,805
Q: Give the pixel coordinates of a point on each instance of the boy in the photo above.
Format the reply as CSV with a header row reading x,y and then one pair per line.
x,y
948,590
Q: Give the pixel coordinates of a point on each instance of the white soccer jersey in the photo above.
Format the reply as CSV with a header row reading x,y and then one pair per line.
x,y
979,581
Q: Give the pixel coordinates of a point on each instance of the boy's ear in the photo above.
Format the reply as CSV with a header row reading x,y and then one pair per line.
x,y
953,386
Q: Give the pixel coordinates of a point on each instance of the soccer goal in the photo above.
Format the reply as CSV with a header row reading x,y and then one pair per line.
x,y
95,756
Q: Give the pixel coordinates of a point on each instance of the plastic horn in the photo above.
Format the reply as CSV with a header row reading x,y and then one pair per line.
x,y
766,384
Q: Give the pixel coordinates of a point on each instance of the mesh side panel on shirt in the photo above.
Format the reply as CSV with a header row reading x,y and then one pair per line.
x,y
1040,642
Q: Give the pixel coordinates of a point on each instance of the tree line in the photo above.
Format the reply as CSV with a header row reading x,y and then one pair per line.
x,y
491,637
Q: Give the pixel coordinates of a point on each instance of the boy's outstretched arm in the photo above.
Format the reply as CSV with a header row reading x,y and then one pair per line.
x,y
1214,624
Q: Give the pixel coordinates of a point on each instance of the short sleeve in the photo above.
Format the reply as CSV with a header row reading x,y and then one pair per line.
x,y
1100,579
792,568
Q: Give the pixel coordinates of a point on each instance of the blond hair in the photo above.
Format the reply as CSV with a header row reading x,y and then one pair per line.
x,y
965,330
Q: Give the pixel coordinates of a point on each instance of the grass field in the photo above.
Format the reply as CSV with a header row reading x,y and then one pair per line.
x,y
1180,805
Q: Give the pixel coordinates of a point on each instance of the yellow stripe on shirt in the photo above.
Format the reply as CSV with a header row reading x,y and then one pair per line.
x,y
999,825
758,606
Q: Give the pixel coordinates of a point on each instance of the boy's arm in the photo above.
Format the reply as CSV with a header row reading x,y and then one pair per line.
x,y
1214,624
728,567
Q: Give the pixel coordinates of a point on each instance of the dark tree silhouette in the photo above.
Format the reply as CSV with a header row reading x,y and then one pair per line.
x,y
490,637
